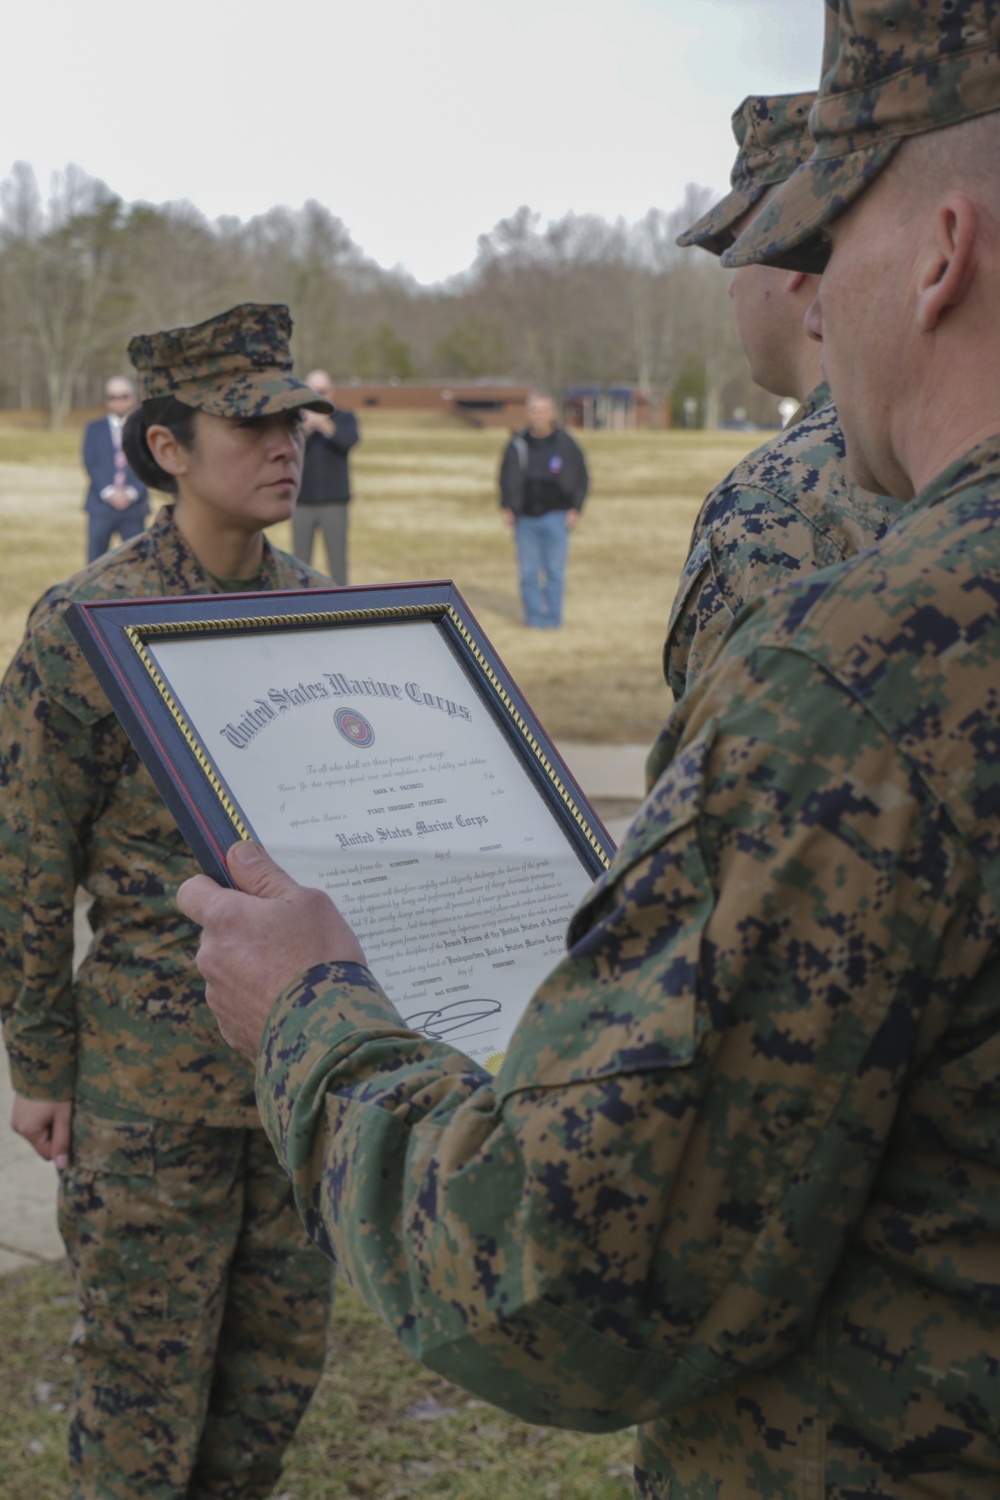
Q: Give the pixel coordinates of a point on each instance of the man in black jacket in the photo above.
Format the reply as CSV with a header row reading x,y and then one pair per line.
x,y
326,484
543,484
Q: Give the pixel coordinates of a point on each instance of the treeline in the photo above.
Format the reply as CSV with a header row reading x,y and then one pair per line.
x,y
576,301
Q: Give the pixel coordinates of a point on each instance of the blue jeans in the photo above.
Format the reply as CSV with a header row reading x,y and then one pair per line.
x,y
542,545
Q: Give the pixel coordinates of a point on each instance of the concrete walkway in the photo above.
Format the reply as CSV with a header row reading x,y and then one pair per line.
x,y
611,776
28,1231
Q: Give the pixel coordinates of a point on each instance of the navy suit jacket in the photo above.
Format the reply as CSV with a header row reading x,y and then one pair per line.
x,y
99,462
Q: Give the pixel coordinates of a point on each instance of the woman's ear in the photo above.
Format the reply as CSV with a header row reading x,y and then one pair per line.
x,y
166,450
947,268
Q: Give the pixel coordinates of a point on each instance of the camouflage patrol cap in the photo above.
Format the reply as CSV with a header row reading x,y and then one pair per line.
x,y
894,68
236,364
772,137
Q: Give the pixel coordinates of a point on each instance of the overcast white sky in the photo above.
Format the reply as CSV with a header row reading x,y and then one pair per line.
x,y
420,125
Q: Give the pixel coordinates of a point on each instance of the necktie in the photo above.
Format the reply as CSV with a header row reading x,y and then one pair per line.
x,y
116,435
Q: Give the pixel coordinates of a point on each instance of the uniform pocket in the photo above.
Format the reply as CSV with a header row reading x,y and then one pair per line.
x,y
112,1148
672,806
109,1226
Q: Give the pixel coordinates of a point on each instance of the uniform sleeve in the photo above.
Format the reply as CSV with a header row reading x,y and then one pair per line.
x,y
654,1193
509,478
745,541
346,433
89,453
581,477
60,747
699,618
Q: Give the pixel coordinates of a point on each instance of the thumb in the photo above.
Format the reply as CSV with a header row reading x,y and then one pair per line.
x,y
255,873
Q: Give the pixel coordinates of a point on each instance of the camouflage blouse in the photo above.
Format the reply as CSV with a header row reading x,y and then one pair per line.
x,y
131,1029
738,1180
786,510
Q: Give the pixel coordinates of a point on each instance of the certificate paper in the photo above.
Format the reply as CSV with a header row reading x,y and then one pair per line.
x,y
369,762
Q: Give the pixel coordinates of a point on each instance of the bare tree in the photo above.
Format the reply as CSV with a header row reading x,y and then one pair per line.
x,y
576,300
472,349
174,266
548,288
655,288
59,261
300,256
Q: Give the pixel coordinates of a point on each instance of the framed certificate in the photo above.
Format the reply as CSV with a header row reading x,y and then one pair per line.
x,y
371,740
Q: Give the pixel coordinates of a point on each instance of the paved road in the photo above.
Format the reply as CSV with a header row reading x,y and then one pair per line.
x,y
612,776
28,1207
28,1231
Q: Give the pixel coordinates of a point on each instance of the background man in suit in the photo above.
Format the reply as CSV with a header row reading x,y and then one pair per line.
x,y
117,500
326,483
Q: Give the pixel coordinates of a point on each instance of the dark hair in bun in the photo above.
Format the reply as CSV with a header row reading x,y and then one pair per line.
x,y
161,411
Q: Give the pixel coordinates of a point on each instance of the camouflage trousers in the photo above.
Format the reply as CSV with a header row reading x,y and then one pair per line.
x,y
202,1310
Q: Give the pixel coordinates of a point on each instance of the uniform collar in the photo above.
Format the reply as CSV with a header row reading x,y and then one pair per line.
x,y
979,464
817,399
181,571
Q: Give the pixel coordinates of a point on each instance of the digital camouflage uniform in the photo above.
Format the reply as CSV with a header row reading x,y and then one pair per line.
x,y
772,138
203,1309
786,510
789,507
738,1179
891,69
237,364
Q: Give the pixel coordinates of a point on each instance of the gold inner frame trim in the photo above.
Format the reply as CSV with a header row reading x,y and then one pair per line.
x,y
138,635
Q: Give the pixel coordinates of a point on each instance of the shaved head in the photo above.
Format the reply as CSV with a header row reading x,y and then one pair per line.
x,y
965,153
119,388
961,157
908,308
541,413
320,382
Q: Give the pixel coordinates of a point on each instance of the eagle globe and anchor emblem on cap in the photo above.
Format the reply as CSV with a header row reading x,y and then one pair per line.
x,y
354,727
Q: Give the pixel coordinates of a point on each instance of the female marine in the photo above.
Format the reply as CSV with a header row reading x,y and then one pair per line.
x,y
202,1309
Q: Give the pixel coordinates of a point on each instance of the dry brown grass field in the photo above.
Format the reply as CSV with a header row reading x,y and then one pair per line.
x,y
425,507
